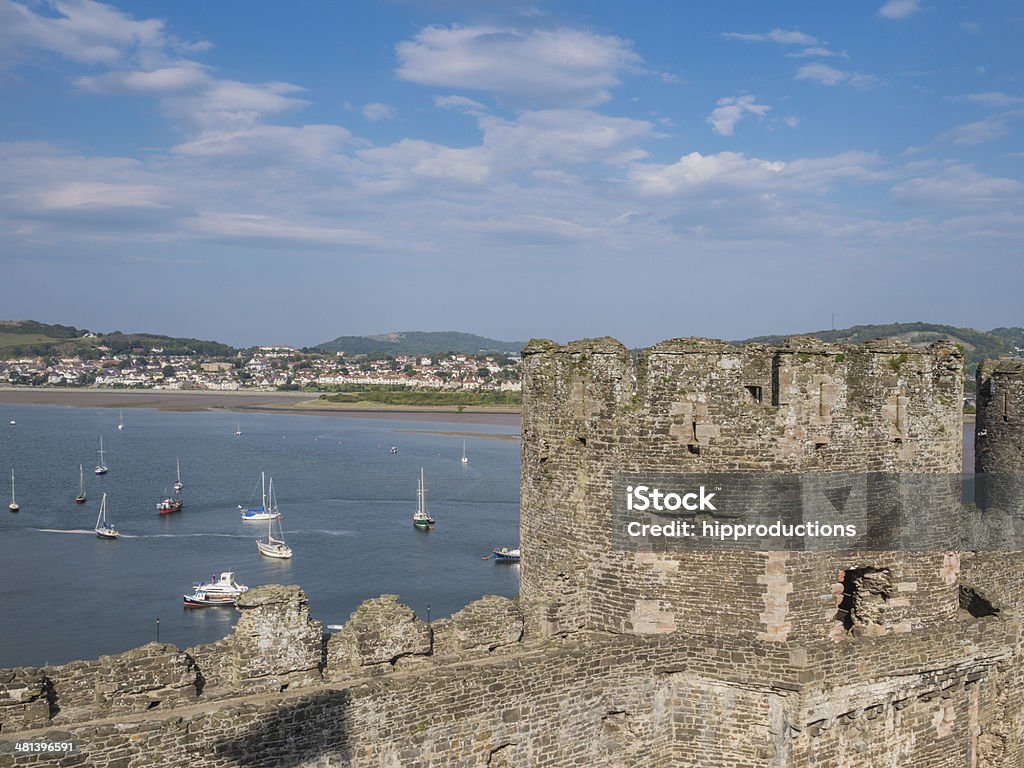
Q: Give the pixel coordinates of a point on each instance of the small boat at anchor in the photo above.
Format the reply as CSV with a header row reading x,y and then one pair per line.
x,y
464,459
506,555
172,503
263,511
420,518
80,498
274,546
13,506
104,528
222,590
101,468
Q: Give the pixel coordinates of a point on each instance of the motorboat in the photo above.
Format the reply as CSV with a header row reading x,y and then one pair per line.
x,y
218,589
506,555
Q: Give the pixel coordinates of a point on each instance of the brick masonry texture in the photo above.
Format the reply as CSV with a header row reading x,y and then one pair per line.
x,y
612,658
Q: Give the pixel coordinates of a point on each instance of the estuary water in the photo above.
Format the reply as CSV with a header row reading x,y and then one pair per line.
x,y
346,500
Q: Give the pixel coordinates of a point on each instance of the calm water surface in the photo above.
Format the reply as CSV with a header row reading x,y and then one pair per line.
x,y
347,503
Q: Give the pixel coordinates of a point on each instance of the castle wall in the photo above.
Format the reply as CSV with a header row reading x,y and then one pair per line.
x,y
595,700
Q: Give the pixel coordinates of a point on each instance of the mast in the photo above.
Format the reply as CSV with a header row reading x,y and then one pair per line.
x,y
81,481
270,520
13,501
423,493
263,489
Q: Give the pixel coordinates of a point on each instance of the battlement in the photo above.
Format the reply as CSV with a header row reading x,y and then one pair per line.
x,y
471,690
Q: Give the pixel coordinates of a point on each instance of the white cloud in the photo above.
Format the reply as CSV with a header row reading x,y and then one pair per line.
x,y
541,67
959,186
817,50
414,159
97,195
268,143
729,112
183,76
225,104
555,137
978,132
781,36
753,176
899,9
549,139
82,30
792,121
826,75
375,110
995,99
467,105
261,227
696,170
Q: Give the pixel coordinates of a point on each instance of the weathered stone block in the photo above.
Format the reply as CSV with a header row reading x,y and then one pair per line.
x,y
380,631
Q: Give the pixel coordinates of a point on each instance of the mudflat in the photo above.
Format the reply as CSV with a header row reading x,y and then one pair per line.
x,y
274,402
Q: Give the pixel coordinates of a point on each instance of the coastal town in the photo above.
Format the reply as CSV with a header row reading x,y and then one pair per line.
x,y
270,368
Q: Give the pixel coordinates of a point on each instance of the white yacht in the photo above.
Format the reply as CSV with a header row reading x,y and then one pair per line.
x,y
263,511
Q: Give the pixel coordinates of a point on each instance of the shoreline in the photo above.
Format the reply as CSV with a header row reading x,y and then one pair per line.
x,y
250,402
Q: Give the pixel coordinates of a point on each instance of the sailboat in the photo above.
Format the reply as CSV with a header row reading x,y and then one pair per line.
x,y
80,498
13,506
120,424
172,503
101,468
238,428
105,529
464,459
274,547
262,512
420,518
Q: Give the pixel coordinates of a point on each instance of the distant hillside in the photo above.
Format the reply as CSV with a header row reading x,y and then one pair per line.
x,y
419,343
28,338
978,345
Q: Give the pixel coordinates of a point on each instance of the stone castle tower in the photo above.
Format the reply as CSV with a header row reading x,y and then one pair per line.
x,y
865,622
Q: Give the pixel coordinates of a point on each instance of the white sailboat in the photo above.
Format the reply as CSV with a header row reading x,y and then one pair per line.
x,y
13,506
274,547
120,423
263,511
173,503
464,459
238,428
104,529
80,498
101,468
420,518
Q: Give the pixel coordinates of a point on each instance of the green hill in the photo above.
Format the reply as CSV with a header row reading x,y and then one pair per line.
x,y
28,338
419,343
978,345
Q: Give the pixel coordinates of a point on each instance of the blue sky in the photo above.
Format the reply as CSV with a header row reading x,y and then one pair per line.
x,y
281,172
